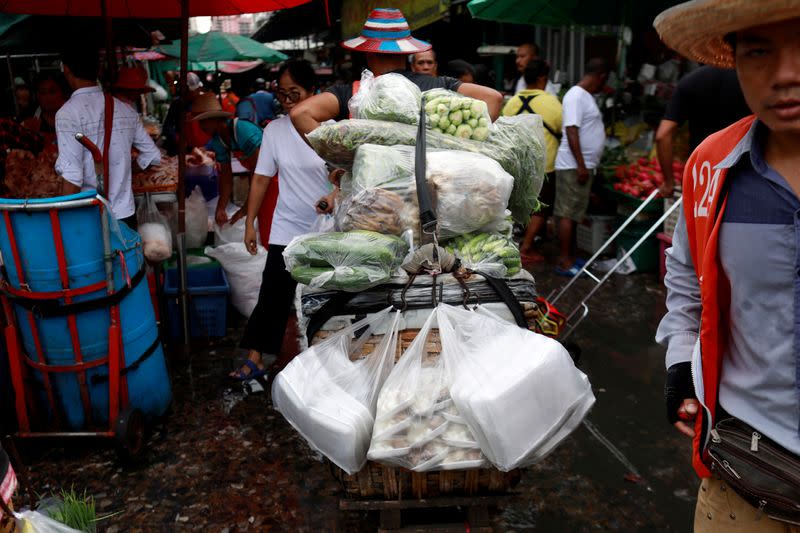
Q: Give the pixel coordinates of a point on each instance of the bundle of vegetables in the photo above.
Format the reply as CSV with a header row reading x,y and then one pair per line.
x,y
391,97
516,143
470,191
348,261
489,253
450,113
643,177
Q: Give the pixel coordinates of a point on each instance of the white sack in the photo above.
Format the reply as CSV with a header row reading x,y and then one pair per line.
x,y
244,272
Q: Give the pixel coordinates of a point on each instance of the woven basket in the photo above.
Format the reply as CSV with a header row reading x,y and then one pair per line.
x,y
377,481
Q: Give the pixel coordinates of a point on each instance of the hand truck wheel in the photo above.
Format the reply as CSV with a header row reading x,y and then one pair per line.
x,y
129,432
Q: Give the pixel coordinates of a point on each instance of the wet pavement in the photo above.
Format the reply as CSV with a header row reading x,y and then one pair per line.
x,y
226,462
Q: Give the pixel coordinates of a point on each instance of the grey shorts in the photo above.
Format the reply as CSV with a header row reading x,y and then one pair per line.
x,y
572,198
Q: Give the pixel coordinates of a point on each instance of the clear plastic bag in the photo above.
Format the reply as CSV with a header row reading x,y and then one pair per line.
x,y
517,143
328,393
453,114
155,232
519,392
488,253
323,224
244,272
349,261
390,97
417,425
36,522
196,219
470,191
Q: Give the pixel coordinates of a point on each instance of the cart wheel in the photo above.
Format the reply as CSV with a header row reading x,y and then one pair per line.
x,y
129,433
574,351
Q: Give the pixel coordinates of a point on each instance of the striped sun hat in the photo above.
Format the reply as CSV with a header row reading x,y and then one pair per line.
x,y
386,32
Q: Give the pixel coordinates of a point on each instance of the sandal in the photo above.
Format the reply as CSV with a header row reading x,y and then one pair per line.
x,y
255,372
571,271
531,258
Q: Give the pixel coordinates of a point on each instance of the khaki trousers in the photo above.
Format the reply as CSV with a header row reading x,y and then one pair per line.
x,y
720,510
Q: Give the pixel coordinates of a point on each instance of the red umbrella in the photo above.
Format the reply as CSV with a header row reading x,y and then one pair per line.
x,y
183,9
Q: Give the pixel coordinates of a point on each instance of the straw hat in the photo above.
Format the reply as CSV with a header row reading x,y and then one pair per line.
x,y
207,106
132,79
386,32
697,29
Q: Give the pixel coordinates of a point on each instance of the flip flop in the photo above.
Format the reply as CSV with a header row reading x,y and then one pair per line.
x,y
569,272
254,373
532,259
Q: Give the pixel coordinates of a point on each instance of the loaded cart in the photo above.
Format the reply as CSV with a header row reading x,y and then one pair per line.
x,y
83,346
427,388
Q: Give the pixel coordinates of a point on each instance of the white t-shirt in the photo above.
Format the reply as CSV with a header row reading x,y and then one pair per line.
x,y
580,109
302,178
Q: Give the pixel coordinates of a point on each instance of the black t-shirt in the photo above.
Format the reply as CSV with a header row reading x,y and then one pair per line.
x,y
710,99
343,92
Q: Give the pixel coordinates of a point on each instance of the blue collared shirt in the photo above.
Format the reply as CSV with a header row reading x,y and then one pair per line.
x,y
758,248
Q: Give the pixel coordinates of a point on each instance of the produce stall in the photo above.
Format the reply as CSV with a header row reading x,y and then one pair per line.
x,y
409,405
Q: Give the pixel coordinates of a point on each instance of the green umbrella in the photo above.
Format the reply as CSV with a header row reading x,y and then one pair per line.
x,y
568,12
218,46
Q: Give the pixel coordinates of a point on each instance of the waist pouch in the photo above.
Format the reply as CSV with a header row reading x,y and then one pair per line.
x,y
759,470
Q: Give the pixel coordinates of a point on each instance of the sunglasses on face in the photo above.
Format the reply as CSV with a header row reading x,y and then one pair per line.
x,y
289,96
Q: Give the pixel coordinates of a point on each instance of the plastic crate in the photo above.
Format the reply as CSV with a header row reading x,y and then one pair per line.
x,y
593,232
671,221
208,302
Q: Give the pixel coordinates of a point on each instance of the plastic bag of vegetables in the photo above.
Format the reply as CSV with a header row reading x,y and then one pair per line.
x,y
488,253
391,97
452,114
348,261
517,143
470,191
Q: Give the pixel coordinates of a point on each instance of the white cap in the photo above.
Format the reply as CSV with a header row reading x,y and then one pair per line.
x,y
193,81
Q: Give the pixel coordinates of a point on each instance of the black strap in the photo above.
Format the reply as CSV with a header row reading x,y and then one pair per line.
x,y
526,108
97,379
54,308
427,215
329,309
503,291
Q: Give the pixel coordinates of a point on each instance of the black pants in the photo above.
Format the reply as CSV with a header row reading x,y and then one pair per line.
x,y
267,324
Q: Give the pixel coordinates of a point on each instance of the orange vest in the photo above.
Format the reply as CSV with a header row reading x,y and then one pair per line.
x,y
703,204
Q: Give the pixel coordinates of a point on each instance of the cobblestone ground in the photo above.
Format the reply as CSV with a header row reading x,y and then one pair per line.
x,y
226,462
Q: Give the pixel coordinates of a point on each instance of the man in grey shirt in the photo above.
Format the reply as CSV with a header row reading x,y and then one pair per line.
x,y
733,274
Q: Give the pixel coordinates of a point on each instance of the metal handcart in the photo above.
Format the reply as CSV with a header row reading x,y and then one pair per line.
x,y
41,378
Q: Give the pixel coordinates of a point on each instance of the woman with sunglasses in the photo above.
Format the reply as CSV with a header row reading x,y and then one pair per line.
x,y
303,180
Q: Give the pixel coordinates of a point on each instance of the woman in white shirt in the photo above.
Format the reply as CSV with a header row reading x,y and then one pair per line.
x,y
303,180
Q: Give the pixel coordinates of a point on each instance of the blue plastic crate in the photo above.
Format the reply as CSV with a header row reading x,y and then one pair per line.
x,y
208,302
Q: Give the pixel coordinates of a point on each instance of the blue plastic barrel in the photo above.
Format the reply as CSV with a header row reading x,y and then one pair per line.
x,y
148,384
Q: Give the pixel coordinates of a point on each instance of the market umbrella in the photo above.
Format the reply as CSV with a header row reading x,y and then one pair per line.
x,y
218,46
182,9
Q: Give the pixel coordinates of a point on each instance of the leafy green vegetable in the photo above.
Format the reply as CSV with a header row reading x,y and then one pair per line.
x,y
391,97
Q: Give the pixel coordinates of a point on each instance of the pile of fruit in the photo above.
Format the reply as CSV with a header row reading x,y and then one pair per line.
x,y
643,177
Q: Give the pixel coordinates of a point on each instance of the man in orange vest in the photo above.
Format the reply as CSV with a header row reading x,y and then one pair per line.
x,y
732,328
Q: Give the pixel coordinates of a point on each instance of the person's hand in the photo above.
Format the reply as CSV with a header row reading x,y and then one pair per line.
x,y
241,213
250,240
583,175
325,204
221,216
667,190
681,401
335,176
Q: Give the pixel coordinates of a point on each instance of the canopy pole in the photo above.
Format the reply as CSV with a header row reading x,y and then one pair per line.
x,y
111,53
182,91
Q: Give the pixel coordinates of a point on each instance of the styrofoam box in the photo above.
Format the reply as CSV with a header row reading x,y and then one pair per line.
x,y
593,232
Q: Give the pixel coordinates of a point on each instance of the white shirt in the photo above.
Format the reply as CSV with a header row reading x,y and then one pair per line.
x,y
84,113
580,109
303,179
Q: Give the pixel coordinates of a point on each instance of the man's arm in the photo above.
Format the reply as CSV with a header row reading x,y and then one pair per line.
x,y
149,154
679,330
574,140
68,188
69,164
493,99
309,114
664,140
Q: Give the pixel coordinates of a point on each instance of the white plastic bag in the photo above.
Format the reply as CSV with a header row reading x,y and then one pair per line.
x,y
329,398
391,97
155,232
244,273
196,219
417,425
323,224
518,391
454,114
36,522
228,233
